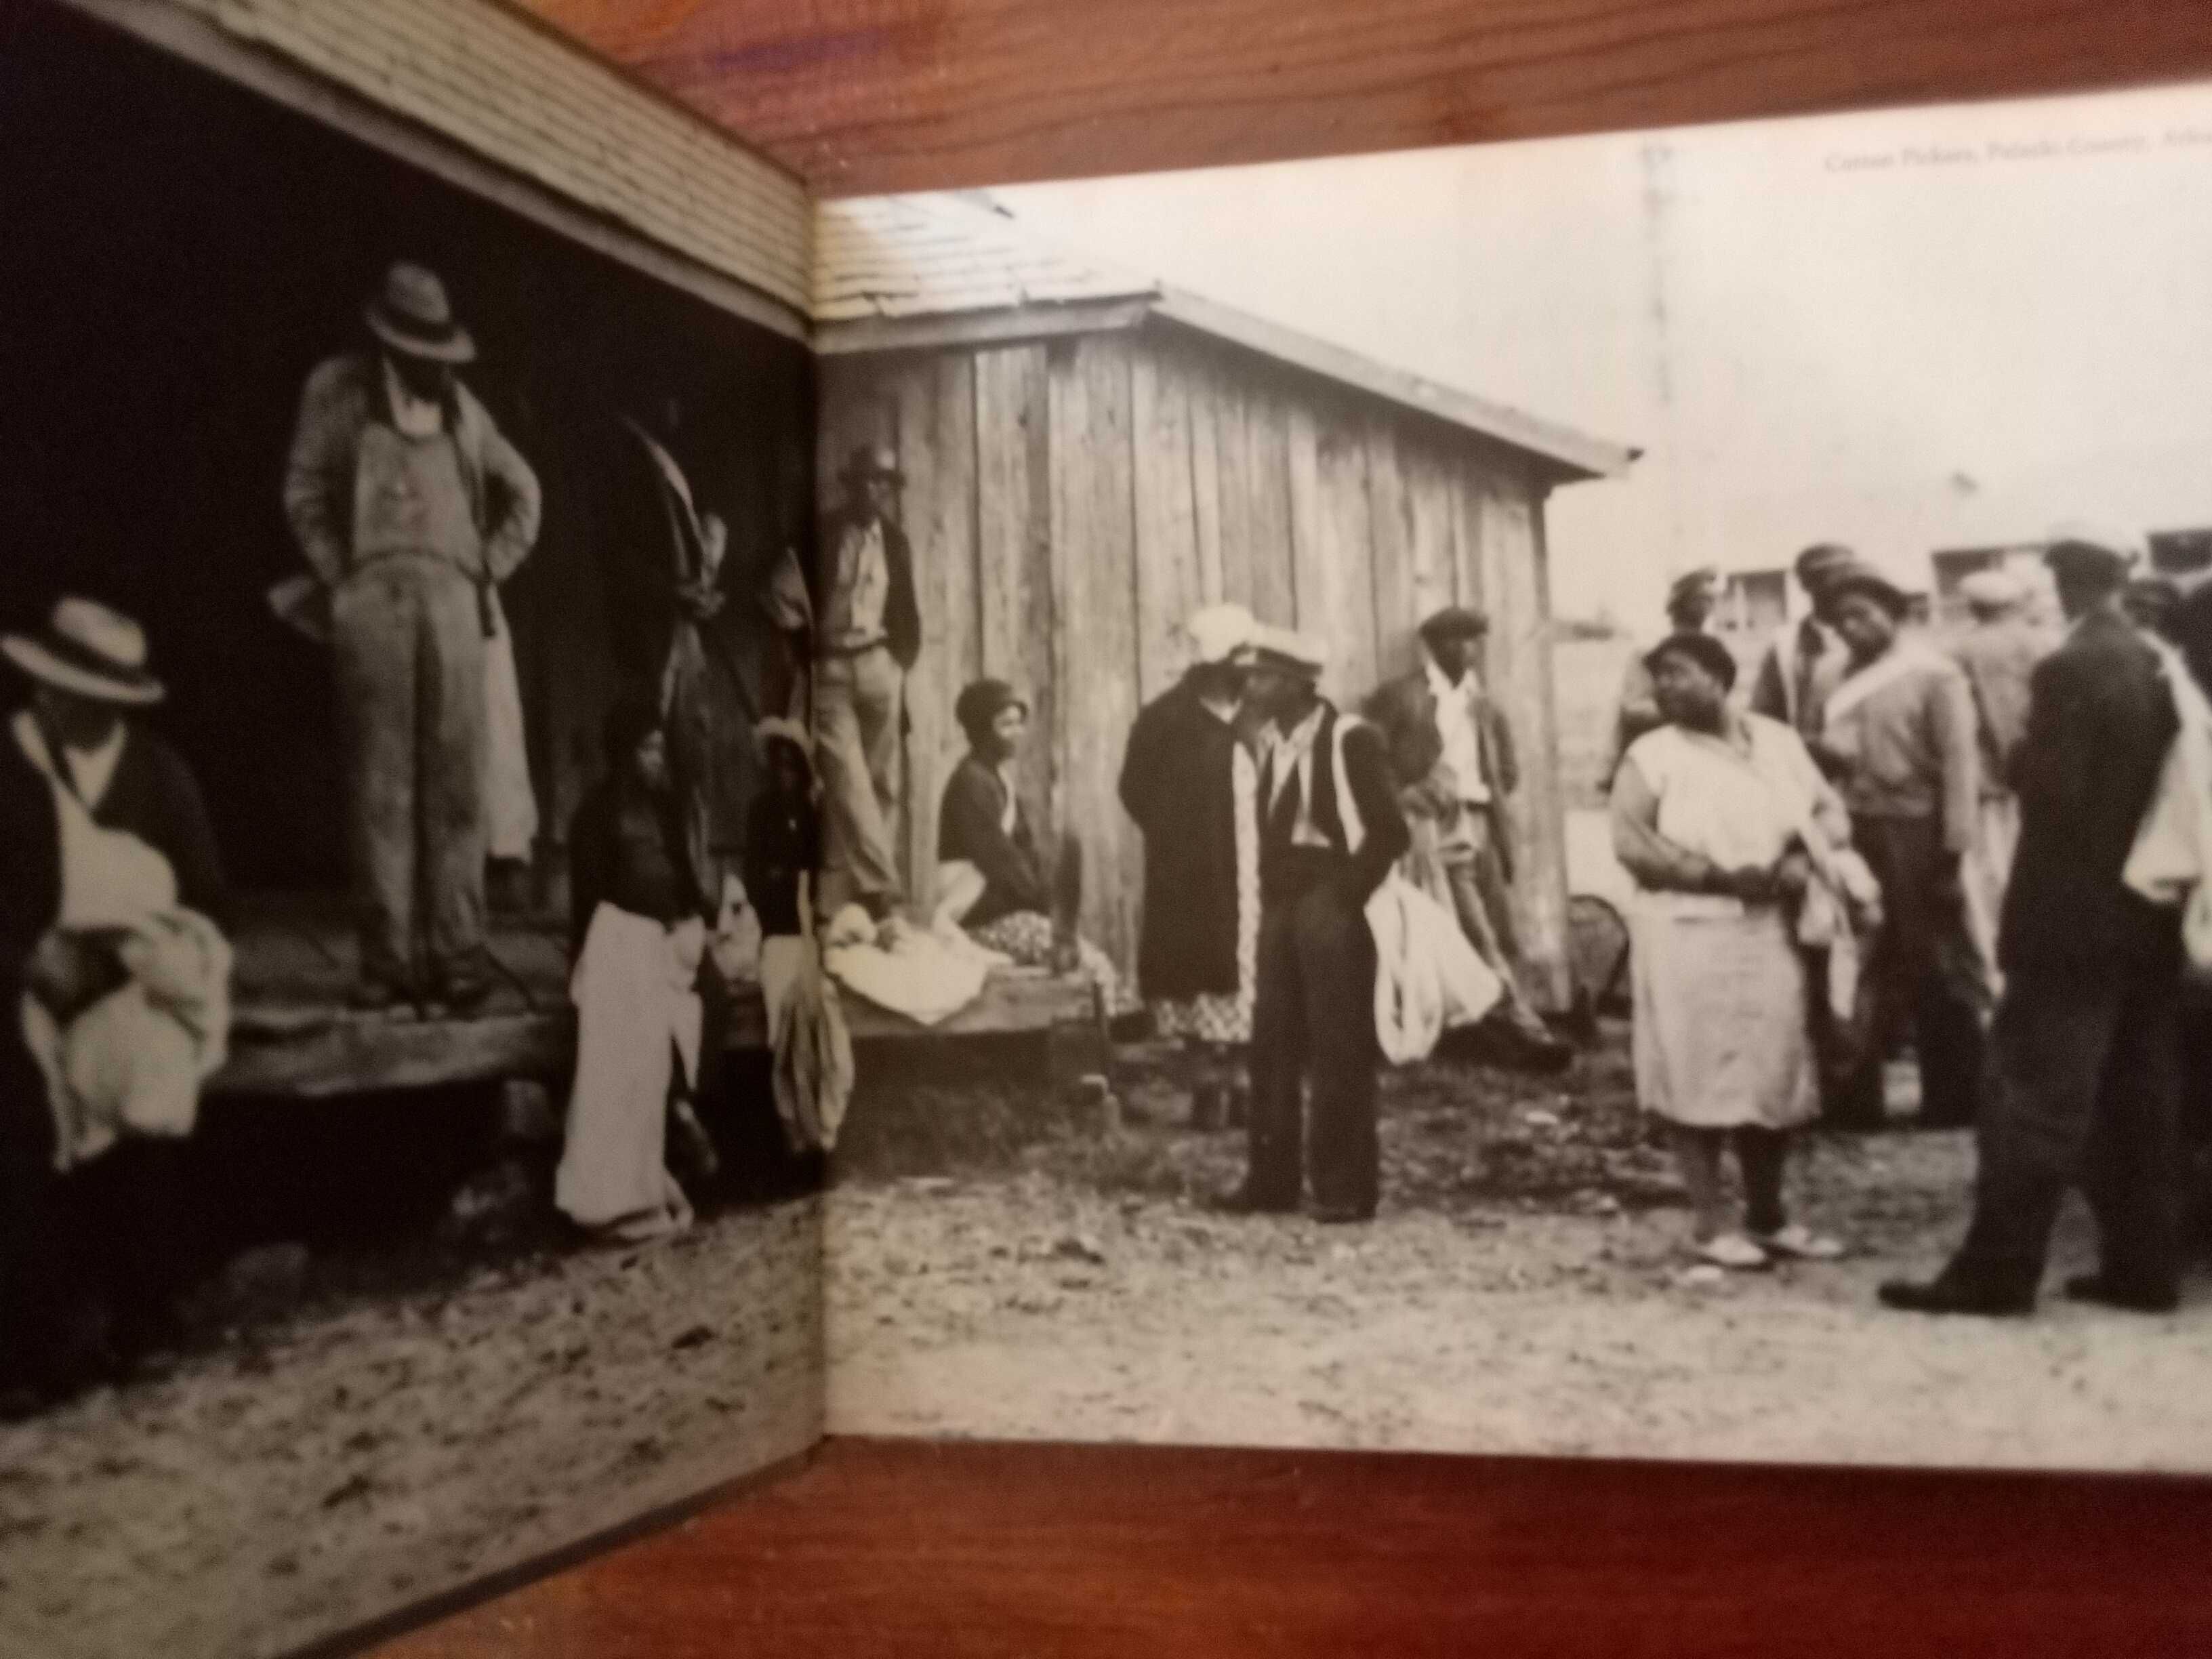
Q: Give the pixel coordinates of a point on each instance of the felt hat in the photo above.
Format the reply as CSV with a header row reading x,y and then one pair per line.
x,y
981,701
1288,651
1858,578
1219,632
2093,551
411,314
872,461
1703,649
1819,561
90,650
1455,621
1696,584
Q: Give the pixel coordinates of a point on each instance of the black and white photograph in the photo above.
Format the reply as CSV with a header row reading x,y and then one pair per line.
x,y
1626,716
1547,798
394,1187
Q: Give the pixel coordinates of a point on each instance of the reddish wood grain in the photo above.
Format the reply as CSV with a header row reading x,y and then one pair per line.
x,y
894,1549
906,94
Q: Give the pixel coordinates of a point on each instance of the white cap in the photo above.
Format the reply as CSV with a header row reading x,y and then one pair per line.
x,y
1283,647
1220,631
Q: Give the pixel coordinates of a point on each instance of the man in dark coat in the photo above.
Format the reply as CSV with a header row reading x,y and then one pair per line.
x,y
1330,828
1807,659
114,1230
867,628
1179,783
2085,1039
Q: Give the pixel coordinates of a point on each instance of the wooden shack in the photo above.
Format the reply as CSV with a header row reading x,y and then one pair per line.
x,y
178,279
1089,456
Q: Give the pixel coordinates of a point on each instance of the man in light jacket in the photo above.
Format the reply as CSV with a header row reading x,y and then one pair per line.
x,y
410,507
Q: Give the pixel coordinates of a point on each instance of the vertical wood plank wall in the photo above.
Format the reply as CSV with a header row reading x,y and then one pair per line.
x,y
1070,500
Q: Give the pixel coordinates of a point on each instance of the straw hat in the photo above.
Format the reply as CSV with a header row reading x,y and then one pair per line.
x,y
90,650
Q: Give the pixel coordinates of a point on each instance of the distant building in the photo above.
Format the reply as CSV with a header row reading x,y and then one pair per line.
x,y
1090,455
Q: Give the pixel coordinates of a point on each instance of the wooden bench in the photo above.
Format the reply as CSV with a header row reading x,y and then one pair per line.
x,y
293,1034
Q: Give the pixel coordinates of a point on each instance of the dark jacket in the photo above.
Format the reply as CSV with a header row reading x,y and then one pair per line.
x,y
1374,791
969,827
2100,718
901,614
1178,783
783,843
627,848
152,795
1404,711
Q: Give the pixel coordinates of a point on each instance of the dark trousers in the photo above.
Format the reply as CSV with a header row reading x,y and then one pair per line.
x,y
2088,1091
1923,971
115,1238
26,1181
1313,1021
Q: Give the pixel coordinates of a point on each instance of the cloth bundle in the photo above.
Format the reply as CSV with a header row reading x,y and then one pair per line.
x,y
127,1009
927,976
2170,862
1428,978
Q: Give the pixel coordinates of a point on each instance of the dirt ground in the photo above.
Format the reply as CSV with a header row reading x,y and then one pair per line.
x,y
1525,1289
336,1449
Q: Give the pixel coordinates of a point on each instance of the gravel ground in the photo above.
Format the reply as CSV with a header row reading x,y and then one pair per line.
x,y
1525,1289
321,1463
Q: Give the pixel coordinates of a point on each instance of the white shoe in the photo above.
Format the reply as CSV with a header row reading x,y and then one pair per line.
x,y
1734,1250
1801,1243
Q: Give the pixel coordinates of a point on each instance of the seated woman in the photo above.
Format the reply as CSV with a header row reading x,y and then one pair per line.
x,y
1723,820
991,879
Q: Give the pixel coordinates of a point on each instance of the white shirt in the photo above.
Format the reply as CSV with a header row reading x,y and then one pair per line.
x,y
1455,725
91,770
1289,755
860,590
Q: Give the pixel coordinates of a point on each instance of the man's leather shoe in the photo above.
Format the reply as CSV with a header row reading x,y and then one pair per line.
x,y
1951,1296
1342,1215
1243,1200
2115,1293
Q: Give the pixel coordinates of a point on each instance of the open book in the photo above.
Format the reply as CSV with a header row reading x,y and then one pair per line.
x,y
1360,804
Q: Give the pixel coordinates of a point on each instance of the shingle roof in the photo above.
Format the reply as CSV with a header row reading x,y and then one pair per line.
x,y
940,255
520,95
967,260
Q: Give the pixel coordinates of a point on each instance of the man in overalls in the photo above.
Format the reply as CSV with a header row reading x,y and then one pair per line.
x,y
410,507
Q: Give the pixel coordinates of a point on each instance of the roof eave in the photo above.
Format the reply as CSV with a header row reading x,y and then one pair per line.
x,y
1563,454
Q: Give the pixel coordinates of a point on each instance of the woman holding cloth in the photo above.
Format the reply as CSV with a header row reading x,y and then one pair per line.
x,y
1724,822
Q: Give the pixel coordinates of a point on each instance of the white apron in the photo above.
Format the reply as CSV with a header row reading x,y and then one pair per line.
x,y
637,1016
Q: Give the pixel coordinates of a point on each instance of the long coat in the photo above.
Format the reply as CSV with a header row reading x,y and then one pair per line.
x,y
2100,718
1405,709
1178,784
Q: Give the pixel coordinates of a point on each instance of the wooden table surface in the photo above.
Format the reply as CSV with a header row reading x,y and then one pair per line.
x,y
895,1548
892,1547
863,95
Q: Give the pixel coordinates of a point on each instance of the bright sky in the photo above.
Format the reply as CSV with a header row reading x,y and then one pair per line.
x,y
1906,330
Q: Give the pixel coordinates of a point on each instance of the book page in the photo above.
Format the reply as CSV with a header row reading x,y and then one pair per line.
x,y
392,1193
1627,713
